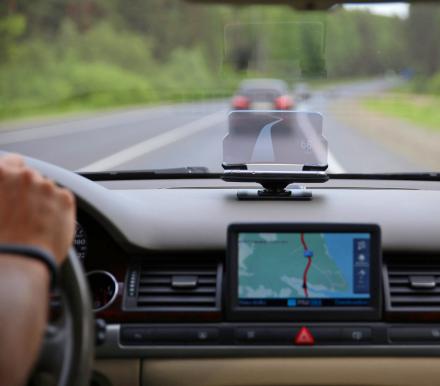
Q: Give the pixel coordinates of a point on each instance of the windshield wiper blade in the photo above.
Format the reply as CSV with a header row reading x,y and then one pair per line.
x,y
202,172
420,176
170,173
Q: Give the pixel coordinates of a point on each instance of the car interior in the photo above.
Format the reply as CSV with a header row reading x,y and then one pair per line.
x,y
257,274
162,293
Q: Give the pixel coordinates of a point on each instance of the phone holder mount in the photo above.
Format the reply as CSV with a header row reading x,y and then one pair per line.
x,y
275,148
274,183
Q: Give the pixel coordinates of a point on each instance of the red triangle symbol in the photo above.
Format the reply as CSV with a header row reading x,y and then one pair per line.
x,y
304,337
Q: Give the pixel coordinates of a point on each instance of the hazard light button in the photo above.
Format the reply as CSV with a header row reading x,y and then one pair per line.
x,y
304,337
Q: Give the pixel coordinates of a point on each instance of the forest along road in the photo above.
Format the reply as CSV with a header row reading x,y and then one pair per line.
x,y
188,134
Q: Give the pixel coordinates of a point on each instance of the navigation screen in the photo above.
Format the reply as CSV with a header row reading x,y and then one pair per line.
x,y
308,269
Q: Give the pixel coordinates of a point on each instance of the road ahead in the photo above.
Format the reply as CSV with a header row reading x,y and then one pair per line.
x,y
187,135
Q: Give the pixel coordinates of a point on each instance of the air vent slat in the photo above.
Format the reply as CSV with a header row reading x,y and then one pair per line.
x,y
414,285
173,286
179,272
168,290
167,280
156,280
176,299
416,299
397,274
407,290
399,280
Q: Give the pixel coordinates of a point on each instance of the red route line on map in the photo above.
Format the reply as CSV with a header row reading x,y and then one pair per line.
x,y
309,263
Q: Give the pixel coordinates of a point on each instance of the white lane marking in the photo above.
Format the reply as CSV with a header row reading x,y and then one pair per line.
x,y
97,122
333,165
155,143
78,125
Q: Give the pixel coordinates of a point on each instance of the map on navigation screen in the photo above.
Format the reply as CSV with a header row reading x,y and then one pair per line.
x,y
303,269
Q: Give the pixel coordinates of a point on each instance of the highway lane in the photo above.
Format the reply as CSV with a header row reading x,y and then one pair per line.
x,y
76,143
188,134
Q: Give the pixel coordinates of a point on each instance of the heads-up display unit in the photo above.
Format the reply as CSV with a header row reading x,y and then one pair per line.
x,y
304,272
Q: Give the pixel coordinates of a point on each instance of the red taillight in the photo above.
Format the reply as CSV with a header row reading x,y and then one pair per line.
x,y
284,102
240,102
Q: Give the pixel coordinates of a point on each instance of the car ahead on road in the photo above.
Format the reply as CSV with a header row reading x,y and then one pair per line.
x,y
263,94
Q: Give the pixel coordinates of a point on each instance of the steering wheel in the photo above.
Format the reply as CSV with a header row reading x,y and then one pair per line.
x,y
67,353
68,350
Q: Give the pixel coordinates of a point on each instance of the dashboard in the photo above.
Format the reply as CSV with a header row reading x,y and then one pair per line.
x,y
159,263
161,304
175,301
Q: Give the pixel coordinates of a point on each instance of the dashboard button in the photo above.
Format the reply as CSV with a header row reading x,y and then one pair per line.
x,y
279,335
287,336
189,335
414,334
326,334
168,336
247,335
268,336
304,337
357,335
206,335
131,335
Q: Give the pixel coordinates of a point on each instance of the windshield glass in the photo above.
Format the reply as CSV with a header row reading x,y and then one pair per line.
x,y
96,85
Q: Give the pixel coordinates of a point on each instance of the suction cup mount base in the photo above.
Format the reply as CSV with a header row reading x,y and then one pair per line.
x,y
275,184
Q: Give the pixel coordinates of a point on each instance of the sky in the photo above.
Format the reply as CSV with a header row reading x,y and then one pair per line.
x,y
388,9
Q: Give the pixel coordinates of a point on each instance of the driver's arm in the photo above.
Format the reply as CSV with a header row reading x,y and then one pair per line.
x,y
33,212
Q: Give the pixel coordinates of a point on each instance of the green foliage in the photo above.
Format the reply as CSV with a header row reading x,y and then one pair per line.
x,y
105,43
424,85
63,54
423,32
422,111
362,44
11,28
101,67
70,84
433,84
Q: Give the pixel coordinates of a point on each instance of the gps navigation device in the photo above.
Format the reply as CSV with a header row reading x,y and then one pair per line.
x,y
279,272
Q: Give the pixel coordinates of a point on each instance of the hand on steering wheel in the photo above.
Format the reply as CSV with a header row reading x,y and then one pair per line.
x,y
36,212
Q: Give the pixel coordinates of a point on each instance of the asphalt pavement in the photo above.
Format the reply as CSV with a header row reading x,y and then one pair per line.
x,y
188,134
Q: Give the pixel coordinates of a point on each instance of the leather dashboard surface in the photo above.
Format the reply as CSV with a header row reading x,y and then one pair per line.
x,y
197,218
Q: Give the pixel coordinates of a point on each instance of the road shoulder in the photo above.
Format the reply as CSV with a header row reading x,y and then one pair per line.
x,y
418,144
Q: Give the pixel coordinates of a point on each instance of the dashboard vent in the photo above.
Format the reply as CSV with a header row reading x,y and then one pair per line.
x,y
413,285
178,286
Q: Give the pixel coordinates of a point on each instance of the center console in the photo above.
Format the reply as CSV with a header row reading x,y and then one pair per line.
x,y
282,289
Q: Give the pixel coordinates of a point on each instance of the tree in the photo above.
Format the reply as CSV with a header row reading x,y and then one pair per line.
x,y
424,37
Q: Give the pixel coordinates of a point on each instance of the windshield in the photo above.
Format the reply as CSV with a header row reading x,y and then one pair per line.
x,y
96,85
